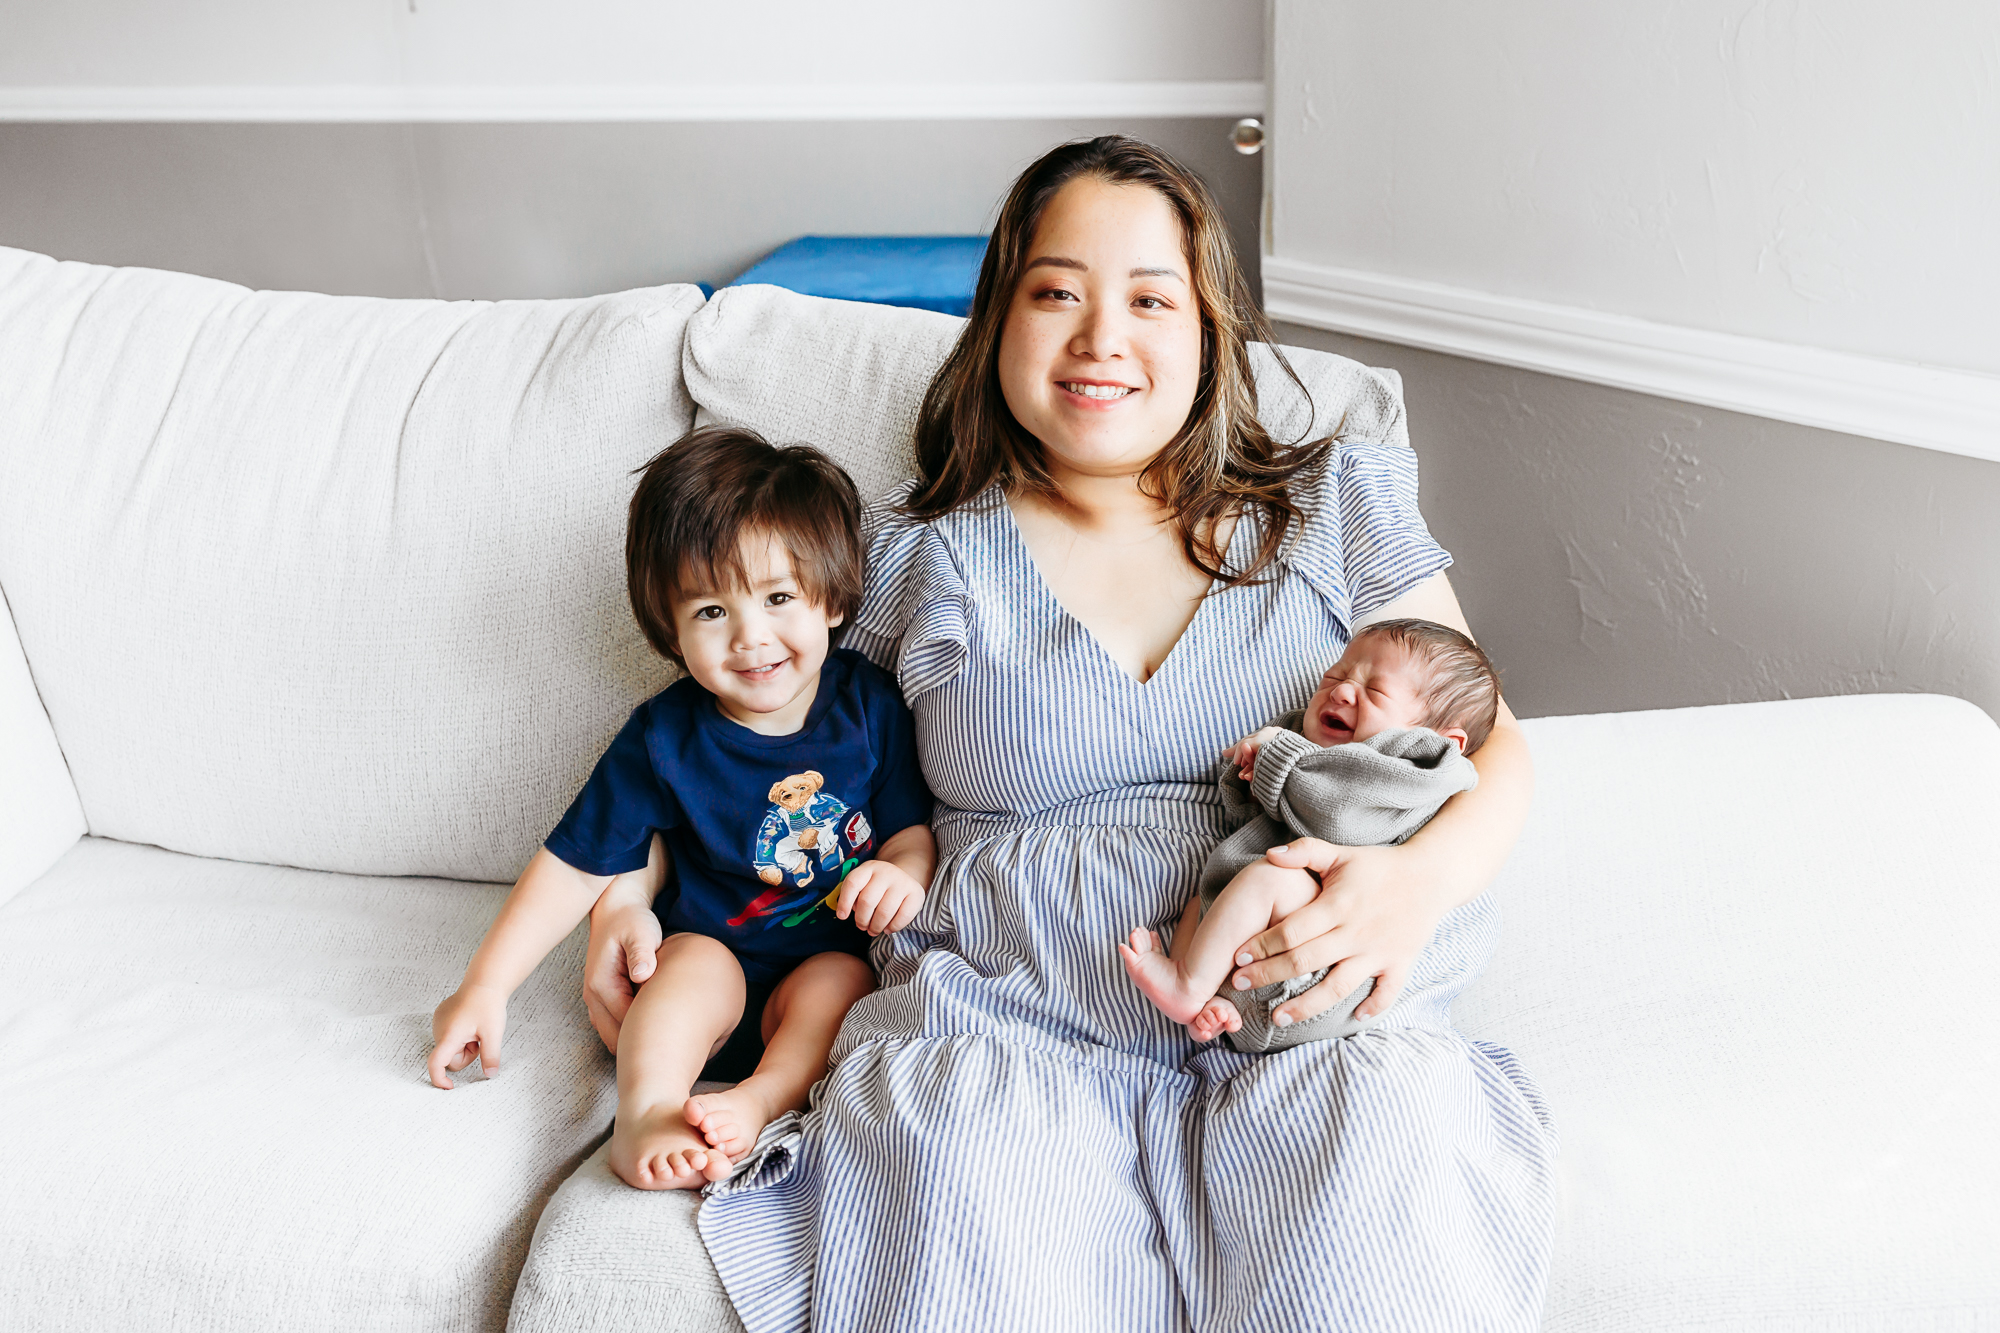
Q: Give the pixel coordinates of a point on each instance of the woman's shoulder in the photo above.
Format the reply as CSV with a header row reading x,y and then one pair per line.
x,y
1360,538
913,618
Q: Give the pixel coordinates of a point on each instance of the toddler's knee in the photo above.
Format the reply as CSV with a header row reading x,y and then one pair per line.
x,y
844,969
698,950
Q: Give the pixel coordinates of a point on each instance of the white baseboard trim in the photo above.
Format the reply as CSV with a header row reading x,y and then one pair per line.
x,y
348,103
1956,411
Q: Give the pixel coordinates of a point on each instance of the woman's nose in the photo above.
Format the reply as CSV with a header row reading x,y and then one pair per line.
x,y
1102,335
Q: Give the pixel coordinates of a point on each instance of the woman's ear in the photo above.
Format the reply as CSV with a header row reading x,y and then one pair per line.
x,y
1457,736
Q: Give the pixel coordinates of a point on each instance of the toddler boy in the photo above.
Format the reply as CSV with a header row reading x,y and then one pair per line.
x,y
781,780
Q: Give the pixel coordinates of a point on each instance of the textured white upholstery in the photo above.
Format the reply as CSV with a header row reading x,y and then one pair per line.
x,y
850,378
1749,953
326,581
39,815
607,1256
214,1113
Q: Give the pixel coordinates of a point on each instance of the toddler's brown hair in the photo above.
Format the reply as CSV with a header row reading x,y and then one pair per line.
x,y
700,496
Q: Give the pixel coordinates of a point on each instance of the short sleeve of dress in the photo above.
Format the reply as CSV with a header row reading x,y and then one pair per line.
x,y
1364,543
913,620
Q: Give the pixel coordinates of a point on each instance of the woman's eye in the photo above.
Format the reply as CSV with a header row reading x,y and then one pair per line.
x,y
1056,294
1150,303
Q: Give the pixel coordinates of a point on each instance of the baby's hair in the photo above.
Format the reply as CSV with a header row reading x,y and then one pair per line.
x,y
1463,689
701,495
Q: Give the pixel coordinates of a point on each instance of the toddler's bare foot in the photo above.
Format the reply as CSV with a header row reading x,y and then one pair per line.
x,y
731,1120
657,1149
1155,974
1216,1017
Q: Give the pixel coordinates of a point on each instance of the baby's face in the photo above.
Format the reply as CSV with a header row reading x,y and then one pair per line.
x,y
1376,685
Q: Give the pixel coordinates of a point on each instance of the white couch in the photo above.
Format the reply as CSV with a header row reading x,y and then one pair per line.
x,y
315,619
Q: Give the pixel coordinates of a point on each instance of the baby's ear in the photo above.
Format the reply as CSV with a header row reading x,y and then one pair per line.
x,y
1457,736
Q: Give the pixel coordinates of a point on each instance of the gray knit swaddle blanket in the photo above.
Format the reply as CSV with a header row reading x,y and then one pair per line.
x,y
1372,793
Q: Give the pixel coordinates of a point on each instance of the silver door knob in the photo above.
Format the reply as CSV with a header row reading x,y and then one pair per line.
x,y
1247,135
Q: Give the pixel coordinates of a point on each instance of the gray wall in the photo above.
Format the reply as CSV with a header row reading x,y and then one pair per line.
x,y
514,210
1617,551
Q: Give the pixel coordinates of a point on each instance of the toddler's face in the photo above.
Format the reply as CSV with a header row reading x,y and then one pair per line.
x,y
1376,685
758,649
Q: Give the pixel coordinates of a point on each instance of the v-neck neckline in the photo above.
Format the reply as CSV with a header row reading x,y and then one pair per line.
x,y
1026,553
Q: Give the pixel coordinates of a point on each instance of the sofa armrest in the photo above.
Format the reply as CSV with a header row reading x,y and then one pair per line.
x,y
40,816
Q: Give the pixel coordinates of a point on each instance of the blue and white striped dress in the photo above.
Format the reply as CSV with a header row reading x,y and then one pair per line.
x,y
1011,1137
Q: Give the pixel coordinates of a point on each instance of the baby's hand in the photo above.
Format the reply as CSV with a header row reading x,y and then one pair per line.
x,y
466,1026
1244,752
882,896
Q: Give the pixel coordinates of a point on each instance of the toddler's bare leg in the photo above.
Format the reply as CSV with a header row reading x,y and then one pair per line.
x,y
800,1022
1260,896
682,1014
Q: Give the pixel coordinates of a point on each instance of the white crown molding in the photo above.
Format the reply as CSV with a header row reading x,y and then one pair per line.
x,y
1956,411
969,101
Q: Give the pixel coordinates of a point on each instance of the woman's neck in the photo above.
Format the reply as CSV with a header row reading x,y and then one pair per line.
x,y
1104,507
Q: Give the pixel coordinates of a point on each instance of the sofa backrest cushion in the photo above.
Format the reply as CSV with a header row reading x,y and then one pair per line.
x,y
39,815
325,581
850,378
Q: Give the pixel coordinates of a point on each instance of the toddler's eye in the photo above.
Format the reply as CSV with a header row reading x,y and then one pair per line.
x,y
780,598
709,613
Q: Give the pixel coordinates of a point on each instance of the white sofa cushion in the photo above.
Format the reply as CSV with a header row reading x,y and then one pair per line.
x,y
1749,953
850,378
39,815
214,1113
607,1256
326,581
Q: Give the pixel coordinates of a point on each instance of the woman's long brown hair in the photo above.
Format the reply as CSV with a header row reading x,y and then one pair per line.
x,y
1222,461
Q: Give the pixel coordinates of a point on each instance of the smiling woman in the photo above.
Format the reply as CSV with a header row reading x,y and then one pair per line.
x,y
1106,572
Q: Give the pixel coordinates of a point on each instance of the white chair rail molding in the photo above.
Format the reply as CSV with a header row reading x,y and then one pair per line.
x,y
1780,209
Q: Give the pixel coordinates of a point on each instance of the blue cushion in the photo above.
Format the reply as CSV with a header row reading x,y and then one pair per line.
x,y
924,272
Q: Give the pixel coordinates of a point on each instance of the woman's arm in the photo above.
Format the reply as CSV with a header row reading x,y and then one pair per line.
x,y
1379,906
624,944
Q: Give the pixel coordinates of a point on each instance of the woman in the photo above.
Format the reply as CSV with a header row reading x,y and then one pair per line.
x,y
1107,573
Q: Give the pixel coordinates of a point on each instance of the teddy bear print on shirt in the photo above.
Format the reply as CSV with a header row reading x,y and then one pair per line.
x,y
806,831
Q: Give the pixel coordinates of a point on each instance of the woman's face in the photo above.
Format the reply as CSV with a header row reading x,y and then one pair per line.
x,y
1101,352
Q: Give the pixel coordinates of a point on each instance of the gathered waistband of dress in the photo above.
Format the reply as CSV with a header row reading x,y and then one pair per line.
x,y
1177,808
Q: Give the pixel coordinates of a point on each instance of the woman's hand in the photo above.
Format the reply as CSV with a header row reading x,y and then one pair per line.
x,y
1374,914
623,951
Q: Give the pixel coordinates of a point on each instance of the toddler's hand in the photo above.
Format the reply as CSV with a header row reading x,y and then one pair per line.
x,y
881,895
468,1025
1244,752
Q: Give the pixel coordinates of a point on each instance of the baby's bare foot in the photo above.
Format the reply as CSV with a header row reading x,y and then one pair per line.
x,y
656,1149
1155,974
1216,1017
731,1120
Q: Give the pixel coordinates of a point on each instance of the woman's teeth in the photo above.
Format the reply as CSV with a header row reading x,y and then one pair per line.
x,y
1098,390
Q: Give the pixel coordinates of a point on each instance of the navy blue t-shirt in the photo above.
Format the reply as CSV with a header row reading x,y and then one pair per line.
x,y
760,829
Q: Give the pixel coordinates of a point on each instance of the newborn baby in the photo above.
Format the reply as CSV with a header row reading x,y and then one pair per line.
x,y
1372,757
